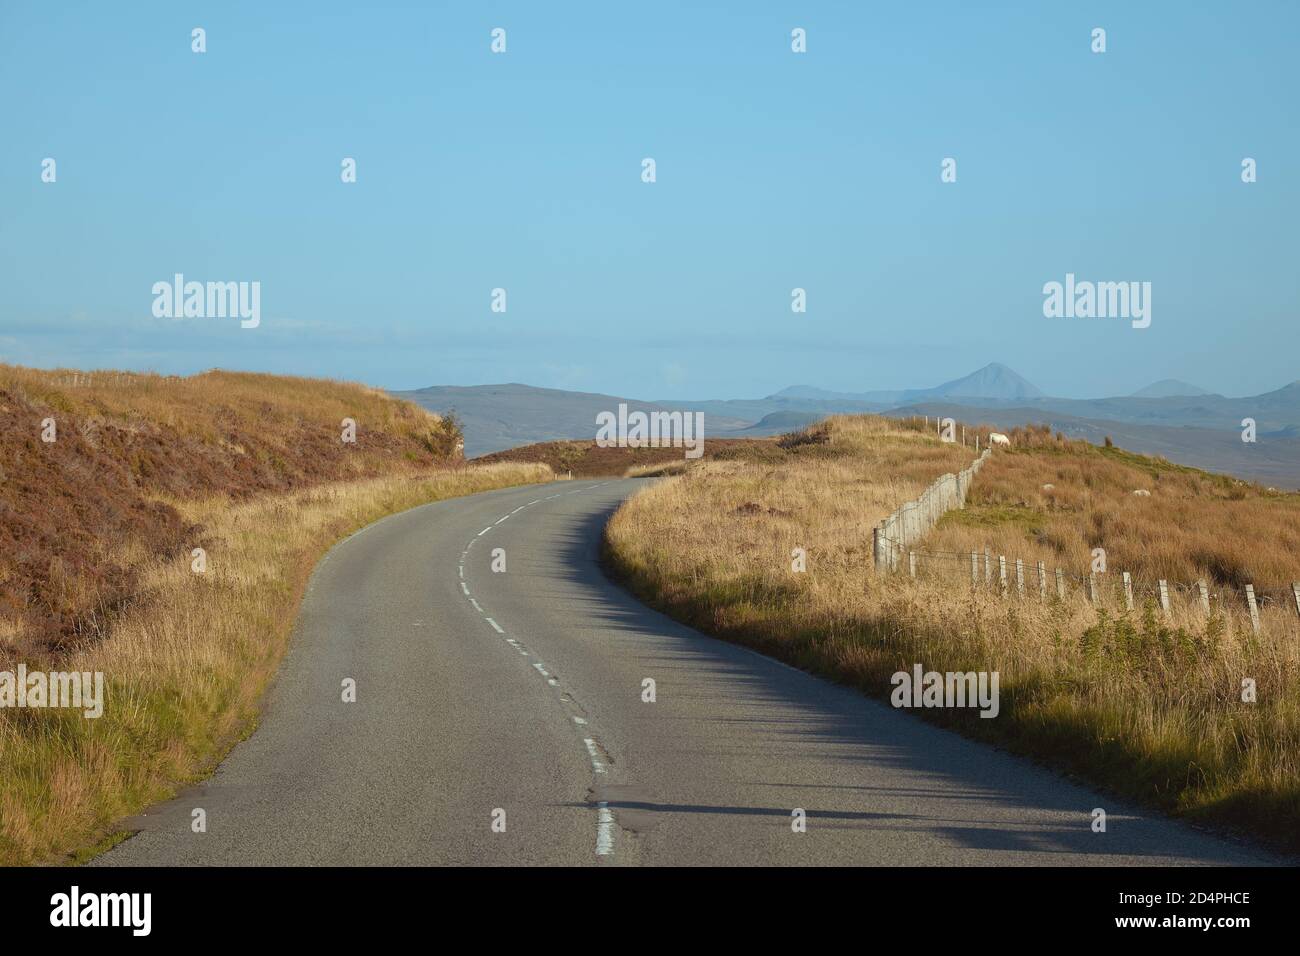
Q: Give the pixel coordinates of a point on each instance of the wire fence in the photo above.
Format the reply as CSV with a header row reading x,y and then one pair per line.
x,y
893,542
1014,577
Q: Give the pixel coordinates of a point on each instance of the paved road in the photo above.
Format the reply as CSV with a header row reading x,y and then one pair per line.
x,y
521,691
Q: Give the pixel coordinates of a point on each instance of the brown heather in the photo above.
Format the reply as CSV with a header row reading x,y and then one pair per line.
x,y
80,514
1143,705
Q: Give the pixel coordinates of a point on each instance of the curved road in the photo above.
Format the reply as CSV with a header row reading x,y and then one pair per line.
x,y
479,692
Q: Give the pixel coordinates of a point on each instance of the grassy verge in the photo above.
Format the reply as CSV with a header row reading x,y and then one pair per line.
x,y
1054,500
186,666
1143,705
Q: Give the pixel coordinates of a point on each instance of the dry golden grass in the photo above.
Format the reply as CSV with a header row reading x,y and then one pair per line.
x,y
186,666
1147,706
1193,526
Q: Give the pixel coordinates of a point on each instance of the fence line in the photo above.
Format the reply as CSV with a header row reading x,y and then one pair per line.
x,y
1018,578
914,519
896,534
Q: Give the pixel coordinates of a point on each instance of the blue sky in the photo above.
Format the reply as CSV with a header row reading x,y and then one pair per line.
x,y
775,170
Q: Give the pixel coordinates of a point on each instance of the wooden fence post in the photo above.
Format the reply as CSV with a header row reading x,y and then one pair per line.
x,y
1295,593
974,569
1060,584
1020,578
1205,596
1254,608
1164,596
988,566
1128,591
1092,587
911,563
1042,581
1002,572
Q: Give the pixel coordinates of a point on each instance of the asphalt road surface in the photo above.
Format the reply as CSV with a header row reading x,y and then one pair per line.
x,y
499,719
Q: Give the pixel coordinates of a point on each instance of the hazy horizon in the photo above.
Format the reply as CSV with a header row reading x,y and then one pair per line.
x,y
615,391
869,387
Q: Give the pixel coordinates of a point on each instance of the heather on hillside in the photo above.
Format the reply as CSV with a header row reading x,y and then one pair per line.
x,y
92,464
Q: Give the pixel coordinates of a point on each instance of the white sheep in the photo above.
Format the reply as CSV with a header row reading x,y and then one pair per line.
x,y
997,438
1141,492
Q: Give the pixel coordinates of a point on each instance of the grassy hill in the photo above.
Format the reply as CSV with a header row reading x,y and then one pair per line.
x,y
1055,500
1142,703
79,513
1273,460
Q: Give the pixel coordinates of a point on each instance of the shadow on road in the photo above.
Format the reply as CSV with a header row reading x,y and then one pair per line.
x,y
996,801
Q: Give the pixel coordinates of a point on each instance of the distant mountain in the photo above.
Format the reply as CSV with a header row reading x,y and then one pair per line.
x,y
777,423
993,381
812,393
753,409
1271,410
1169,388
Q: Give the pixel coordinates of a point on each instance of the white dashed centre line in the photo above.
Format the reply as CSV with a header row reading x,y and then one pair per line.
x,y
604,817
604,830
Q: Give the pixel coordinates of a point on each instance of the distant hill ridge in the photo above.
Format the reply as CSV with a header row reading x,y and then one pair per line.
x,y
1169,388
994,380
498,417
